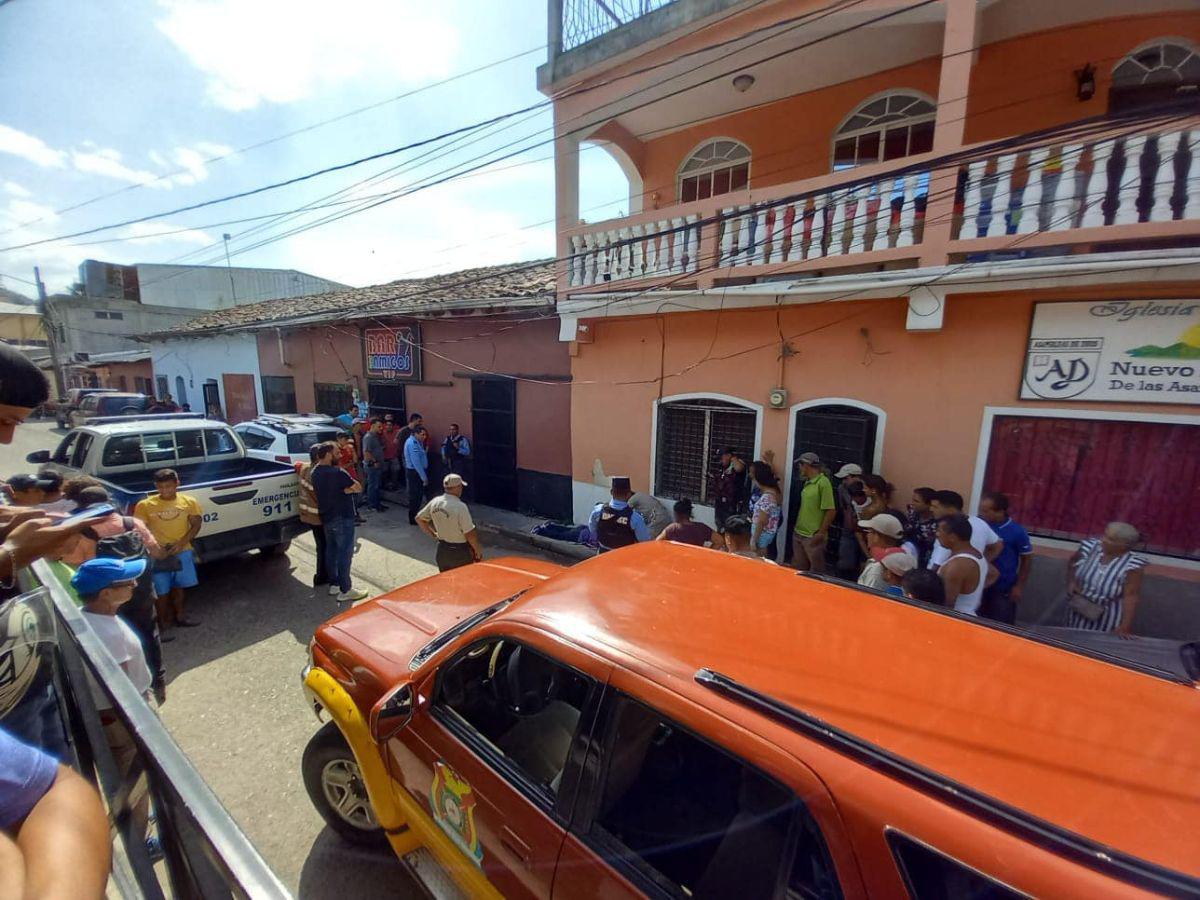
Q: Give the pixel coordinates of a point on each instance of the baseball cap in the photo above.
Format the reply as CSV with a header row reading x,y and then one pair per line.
x,y
885,523
899,563
453,480
810,459
848,469
97,574
30,482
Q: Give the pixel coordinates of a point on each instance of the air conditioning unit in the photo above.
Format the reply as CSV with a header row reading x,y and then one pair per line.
x,y
777,399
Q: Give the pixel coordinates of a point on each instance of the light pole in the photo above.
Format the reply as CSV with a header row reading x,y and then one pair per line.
x,y
229,269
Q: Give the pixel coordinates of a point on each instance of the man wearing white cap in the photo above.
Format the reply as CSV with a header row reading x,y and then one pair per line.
x,y
849,556
447,520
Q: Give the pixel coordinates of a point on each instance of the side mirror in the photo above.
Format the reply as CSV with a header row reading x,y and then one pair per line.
x,y
37,457
392,712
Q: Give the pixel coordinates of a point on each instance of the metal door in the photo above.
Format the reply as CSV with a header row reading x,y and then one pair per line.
x,y
494,441
839,435
241,404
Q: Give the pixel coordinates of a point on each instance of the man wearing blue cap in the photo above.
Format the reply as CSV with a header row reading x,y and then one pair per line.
x,y
105,585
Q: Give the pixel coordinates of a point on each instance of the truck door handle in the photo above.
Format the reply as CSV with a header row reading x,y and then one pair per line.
x,y
510,840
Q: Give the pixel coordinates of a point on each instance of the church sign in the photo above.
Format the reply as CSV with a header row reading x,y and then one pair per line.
x,y
1133,351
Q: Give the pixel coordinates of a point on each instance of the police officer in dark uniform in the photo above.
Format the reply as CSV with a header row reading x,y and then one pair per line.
x,y
617,524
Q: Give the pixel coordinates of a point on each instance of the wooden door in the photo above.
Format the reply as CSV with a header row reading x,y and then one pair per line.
x,y
241,405
494,441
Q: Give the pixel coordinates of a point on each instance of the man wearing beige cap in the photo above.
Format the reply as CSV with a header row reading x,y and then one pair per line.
x,y
885,538
447,520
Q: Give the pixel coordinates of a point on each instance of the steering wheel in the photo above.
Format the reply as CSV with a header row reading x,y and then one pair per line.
x,y
521,698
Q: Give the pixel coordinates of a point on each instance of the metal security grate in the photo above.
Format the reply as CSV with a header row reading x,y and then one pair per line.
x,y
583,20
690,433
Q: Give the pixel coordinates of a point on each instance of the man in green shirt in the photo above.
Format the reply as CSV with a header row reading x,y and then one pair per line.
x,y
815,516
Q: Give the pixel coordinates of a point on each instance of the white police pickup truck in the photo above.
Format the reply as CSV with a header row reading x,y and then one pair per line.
x,y
248,504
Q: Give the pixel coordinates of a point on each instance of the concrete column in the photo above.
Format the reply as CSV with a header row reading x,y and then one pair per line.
x,y
566,198
960,44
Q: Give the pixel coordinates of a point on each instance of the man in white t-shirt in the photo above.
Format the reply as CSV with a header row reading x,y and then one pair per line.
x,y
950,503
105,585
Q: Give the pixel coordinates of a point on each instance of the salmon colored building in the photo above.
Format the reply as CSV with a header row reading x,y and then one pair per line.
x,y
956,242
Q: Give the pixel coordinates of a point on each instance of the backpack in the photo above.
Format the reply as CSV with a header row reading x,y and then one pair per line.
x,y
127,545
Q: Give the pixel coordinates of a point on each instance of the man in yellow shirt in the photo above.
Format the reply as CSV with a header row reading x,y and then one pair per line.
x,y
174,519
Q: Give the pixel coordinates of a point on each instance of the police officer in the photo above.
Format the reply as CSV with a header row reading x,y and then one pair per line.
x,y
447,520
617,524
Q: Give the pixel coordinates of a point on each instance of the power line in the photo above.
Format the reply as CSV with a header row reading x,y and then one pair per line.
x,y
282,137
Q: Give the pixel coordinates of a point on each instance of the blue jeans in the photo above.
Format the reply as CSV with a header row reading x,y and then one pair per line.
x,y
374,485
339,551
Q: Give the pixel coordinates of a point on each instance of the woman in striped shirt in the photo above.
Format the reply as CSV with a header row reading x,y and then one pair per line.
x,y
1104,581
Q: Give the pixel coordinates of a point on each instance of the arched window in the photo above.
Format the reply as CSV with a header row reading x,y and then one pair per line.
x,y
884,128
715,167
1159,72
180,390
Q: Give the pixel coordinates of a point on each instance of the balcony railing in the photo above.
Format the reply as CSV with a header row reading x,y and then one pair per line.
x,y
583,20
1113,187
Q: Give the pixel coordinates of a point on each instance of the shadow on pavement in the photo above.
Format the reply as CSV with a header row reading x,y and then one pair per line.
x,y
336,870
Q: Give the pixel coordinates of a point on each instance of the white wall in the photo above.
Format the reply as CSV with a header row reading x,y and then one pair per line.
x,y
85,332
198,359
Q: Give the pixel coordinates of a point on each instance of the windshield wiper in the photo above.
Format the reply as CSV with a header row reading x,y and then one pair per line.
x,y
462,627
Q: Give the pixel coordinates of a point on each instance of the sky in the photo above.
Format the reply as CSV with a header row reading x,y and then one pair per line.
x,y
135,99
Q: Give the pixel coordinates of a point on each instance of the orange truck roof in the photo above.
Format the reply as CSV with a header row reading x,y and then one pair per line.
x,y
1097,749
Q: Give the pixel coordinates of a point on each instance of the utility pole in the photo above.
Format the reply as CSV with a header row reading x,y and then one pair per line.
x,y
51,333
229,269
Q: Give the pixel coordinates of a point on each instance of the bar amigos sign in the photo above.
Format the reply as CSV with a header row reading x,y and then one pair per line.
x,y
393,352
1141,351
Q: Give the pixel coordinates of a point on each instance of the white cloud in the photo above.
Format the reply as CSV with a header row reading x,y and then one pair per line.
x,y
193,160
31,148
281,51
11,187
107,161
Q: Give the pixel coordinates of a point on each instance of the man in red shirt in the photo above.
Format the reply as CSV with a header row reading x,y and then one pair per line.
x,y
346,458
391,453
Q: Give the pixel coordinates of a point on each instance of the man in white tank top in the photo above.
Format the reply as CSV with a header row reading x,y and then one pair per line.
x,y
965,573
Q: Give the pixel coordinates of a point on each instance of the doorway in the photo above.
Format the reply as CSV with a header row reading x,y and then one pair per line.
x,y
385,397
212,400
839,434
494,441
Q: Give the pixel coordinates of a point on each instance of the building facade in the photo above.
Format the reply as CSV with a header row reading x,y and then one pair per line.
x,y
479,349
954,244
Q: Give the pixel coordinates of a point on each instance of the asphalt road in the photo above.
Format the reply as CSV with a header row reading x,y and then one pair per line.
x,y
234,702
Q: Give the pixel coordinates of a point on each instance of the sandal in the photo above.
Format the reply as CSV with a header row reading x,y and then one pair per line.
x,y
186,623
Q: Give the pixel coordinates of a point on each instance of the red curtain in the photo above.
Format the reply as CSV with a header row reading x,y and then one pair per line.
x,y
1068,478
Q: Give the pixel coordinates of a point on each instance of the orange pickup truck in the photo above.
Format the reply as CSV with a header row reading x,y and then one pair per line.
x,y
669,721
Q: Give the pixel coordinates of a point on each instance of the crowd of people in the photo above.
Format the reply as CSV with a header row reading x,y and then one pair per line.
x,y
846,525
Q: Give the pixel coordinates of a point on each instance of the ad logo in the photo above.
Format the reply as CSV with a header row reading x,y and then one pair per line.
x,y
1061,368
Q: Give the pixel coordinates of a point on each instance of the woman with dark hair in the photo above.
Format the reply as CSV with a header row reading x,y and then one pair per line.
x,y
922,523
878,491
685,531
767,510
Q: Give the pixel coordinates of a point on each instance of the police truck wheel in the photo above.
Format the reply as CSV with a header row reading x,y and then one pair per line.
x,y
335,786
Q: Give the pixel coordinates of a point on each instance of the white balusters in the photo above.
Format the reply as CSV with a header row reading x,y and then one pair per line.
x,y
728,227
1164,179
972,198
761,242
678,246
816,246
908,211
1031,196
858,221
1068,203
836,223
1131,180
1002,196
1191,187
1097,184
637,258
575,278
693,243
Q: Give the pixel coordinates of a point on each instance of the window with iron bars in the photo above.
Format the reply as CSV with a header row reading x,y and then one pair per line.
x,y
690,434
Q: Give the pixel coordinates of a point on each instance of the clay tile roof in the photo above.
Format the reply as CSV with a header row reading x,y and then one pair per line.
x,y
485,287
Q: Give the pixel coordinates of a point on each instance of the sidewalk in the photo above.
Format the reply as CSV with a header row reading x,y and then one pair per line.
x,y
512,525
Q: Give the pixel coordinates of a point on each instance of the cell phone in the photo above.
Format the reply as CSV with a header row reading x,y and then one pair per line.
x,y
99,511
